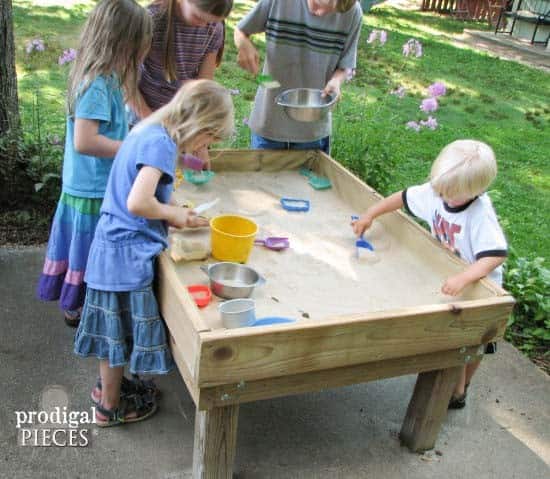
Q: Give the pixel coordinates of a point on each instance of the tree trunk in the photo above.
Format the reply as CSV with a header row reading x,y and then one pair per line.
x,y
9,105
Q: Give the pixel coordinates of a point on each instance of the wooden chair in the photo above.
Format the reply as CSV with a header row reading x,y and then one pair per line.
x,y
536,12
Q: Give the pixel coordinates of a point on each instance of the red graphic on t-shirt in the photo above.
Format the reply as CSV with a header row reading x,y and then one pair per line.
x,y
445,232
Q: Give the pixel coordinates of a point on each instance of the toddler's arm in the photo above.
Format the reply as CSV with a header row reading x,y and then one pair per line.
x,y
391,203
481,268
88,141
142,202
247,57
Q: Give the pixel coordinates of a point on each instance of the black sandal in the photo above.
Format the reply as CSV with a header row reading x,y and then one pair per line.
x,y
72,318
146,388
125,412
457,402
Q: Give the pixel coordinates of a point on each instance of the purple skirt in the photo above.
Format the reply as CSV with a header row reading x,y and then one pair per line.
x,y
71,235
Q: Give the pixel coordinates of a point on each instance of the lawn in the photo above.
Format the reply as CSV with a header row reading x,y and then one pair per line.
x,y
502,103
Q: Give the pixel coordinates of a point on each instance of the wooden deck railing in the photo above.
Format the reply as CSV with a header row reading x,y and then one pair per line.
x,y
481,10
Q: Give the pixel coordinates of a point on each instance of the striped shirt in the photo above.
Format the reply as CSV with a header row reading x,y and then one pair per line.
x,y
302,51
192,44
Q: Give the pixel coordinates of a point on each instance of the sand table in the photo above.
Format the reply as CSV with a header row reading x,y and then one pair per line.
x,y
320,275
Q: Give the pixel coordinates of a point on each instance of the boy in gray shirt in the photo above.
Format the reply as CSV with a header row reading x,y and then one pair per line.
x,y
309,44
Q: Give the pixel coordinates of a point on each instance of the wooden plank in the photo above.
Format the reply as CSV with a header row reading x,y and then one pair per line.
x,y
215,443
256,353
256,160
317,381
183,368
181,316
428,408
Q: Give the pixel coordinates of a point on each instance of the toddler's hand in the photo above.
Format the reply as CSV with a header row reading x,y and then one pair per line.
x,y
362,224
194,221
454,285
180,217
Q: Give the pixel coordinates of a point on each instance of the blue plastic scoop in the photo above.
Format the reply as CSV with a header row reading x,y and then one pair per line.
x,y
361,242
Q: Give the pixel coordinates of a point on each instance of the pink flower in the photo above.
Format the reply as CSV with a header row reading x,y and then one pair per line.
x,y
245,121
430,123
380,35
429,104
399,92
412,47
413,125
67,56
437,89
35,45
350,73
372,36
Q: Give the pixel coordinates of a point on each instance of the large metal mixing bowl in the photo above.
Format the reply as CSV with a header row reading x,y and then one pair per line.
x,y
305,104
232,280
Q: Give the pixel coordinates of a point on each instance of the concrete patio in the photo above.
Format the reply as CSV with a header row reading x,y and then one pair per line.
x,y
346,433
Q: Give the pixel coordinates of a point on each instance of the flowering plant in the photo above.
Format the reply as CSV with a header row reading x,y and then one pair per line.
x,y
67,56
35,44
375,160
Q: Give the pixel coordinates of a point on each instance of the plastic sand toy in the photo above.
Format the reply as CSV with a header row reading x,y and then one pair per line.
x,y
295,204
269,320
267,81
198,177
317,182
274,243
200,293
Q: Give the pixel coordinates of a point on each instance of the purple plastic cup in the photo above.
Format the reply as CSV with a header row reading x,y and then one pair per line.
x,y
192,162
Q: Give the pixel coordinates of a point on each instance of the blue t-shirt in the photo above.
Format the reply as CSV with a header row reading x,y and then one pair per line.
x,y
125,246
84,175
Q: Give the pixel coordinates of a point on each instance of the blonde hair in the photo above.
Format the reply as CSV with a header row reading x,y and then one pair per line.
x,y
218,8
463,168
115,38
199,106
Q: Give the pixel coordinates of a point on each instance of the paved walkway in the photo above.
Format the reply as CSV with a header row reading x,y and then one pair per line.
x,y
501,46
347,433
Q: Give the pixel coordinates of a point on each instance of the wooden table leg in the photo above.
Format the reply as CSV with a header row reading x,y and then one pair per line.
x,y
428,408
215,442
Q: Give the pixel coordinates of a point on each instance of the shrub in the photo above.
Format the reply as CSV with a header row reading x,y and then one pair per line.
x,y
529,324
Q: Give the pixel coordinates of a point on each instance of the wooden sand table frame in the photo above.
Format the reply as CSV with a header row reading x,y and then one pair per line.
x,y
357,321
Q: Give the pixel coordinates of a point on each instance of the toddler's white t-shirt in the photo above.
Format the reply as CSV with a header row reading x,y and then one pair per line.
x,y
471,231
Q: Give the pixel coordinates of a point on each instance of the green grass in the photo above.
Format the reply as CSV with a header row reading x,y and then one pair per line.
x,y
502,103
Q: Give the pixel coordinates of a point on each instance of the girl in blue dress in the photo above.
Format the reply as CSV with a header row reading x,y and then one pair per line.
x,y
114,41
120,322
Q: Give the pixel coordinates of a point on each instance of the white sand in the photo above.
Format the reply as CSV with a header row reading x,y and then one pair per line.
x,y
320,275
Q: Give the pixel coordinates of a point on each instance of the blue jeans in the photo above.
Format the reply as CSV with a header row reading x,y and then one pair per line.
x,y
258,142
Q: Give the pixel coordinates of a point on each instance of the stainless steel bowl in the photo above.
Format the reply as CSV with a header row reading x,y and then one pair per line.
x,y
305,104
232,280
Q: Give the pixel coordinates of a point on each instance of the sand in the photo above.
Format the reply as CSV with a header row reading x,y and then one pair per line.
x,y
320,275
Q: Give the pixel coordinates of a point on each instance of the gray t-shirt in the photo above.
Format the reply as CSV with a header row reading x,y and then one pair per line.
x,y
302,51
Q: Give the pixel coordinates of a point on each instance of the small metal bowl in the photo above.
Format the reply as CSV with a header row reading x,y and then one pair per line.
x,y
232,280
305,104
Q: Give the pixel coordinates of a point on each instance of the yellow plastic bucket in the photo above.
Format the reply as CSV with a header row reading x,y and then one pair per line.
x,y
232,238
